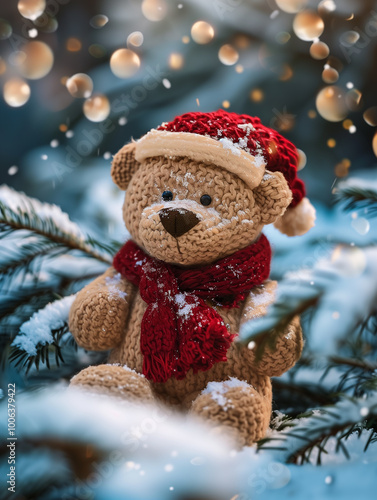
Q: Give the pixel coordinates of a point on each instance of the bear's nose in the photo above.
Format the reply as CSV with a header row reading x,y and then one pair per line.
x,y
178,221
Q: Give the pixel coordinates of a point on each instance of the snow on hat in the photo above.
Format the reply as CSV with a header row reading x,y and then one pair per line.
x,y
241,145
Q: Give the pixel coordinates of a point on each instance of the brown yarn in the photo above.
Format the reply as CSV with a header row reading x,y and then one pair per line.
x,y
272,196
102,318
243,411
231,222
98,315
124,165
186,393
114,380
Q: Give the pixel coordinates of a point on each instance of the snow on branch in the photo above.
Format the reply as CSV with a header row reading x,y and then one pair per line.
x,y
344,291
295,439
38,329
166,447
44,329
356,193
20,212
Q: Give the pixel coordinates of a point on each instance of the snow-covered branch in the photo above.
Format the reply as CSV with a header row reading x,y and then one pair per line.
x,y
330,286
44,329
20,212
295,439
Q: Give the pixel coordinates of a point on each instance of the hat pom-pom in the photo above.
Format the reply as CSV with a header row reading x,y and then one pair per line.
x,y
297,220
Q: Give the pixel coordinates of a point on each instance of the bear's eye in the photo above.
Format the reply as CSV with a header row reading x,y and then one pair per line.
x,y
205,200
167,195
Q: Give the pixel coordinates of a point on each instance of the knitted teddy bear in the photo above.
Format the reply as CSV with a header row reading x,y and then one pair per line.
x,y
199,191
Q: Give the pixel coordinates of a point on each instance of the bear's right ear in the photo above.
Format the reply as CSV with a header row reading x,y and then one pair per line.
x,y
124,165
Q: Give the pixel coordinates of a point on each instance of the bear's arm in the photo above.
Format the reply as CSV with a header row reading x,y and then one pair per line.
x,y
273,362
98,316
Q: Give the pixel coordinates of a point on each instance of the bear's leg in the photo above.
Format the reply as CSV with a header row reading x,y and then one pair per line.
x,y
114,380
236,408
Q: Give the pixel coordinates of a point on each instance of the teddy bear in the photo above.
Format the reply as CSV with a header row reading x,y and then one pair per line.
x,y
199,191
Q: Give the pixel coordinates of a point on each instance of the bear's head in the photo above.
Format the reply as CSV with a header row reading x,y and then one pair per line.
x,y
192,199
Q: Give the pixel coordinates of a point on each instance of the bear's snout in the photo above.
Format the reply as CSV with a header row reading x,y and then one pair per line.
x,y
178,221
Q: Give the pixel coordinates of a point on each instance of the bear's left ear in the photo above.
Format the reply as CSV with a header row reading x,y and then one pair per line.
x,y
272,196
124,165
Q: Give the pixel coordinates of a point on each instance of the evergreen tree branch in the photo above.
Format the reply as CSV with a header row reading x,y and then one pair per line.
x,y
355,363
25,254
42,334
295,439
19,212
329,286
357,194
304,391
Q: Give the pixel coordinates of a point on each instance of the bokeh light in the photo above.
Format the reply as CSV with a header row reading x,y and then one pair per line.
x,y
97,108
329,75
291,6
37,60
154,10
31,9
124,63
16,92
228,55
349,38
374,144
354,99
176,61
257,95
202,32
326,6
342,168
331,104
370,116
80,85
319,50
73,45
99,21
302,159
308,25
136,38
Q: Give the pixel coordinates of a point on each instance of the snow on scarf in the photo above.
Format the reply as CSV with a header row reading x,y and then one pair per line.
x,y
179,331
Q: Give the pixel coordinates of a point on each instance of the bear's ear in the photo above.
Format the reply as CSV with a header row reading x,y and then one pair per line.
x,y
124,165
272,196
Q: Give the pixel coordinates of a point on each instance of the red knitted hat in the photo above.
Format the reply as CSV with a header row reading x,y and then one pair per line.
x,y
241,145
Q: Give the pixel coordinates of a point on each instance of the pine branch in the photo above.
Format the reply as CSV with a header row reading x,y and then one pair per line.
x,y
11,300
330,287
294,297
19,212
11,323
42,335
38,480
354,363
23,359
25,265
313,394
295,439
33,233
358,194
21,254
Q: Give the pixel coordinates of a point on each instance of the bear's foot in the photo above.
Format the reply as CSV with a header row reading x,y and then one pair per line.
x,y
114,380
235,408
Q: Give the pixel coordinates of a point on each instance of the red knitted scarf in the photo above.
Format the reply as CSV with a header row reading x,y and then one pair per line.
x,y
179,330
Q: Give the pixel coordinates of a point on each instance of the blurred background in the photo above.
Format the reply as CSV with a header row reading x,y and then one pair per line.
x,y
80,78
